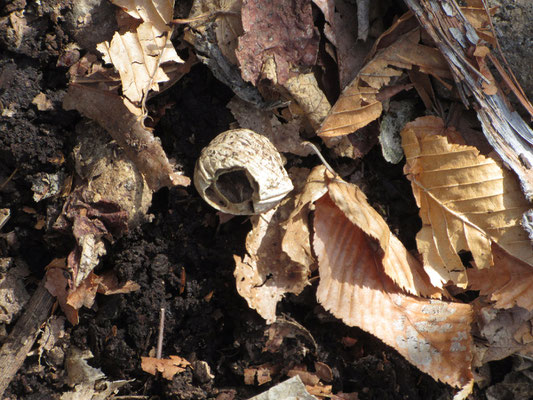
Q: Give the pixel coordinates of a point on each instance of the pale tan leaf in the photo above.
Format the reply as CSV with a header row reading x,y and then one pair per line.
x,y
158,12
167,366
397,262
467,201
433,335
305,91
358,104
138,55
296,240
266,273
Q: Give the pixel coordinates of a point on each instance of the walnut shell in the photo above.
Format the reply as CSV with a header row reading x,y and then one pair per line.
x,y
241,172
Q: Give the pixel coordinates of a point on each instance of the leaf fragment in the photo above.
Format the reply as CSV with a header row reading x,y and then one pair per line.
x,y
138,55
167,366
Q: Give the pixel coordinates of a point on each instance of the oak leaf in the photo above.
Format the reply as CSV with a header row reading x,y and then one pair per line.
x,y
467,202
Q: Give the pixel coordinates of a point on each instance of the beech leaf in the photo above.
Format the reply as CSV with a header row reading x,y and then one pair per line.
x,y
397,262
433,335
139,54
358,104
467,202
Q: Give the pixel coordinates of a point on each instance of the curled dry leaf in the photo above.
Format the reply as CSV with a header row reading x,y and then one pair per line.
x,y
305,91
167,366
433,335
359,103
266,273
467,201
138,55
281,31
397,262
279,255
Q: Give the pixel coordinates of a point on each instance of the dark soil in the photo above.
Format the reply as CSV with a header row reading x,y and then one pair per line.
x,y
206,319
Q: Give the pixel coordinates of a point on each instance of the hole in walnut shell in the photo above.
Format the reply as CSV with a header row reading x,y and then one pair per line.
x,y
235,186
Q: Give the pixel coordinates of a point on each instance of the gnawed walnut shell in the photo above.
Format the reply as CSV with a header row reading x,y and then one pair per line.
x,y
240,172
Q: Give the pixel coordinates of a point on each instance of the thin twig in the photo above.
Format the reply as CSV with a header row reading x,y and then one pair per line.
x,y
319,154
159,352
8,178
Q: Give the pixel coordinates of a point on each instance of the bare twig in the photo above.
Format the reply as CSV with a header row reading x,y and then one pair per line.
x,y
21,339
161,333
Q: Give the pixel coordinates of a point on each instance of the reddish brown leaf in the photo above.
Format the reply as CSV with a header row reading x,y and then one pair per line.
x,y
279,30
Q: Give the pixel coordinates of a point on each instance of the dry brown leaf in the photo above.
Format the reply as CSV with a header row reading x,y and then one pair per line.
x,y
285,137
467,201
509,283
341,30
397,262
279,257
167,366
358,104
433,335
138,55
266,274
305,91
281,31
123,121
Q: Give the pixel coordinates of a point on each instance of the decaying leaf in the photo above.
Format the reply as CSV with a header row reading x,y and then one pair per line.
x,y
124,123
341,30
139,54
226,15
467,201
261,374
359,103
503,333
431,334
284,136
167,366
305,91
277,31
266,274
